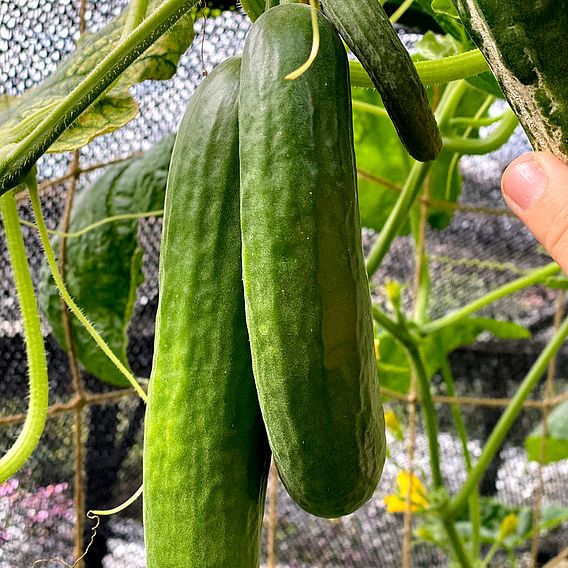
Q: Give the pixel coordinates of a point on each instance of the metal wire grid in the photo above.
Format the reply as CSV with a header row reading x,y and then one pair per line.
x,y
465,260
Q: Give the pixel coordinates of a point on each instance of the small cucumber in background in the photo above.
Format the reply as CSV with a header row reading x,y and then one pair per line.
x,y
526,46
206,455
307,295
367,31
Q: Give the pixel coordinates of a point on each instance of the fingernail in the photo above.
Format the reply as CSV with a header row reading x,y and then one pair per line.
x,y
525,182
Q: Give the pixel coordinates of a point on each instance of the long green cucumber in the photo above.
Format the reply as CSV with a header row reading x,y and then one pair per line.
x,y
526,46
306,291
206,454
367,31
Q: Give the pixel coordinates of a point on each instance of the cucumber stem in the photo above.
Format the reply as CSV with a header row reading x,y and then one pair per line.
x,y
32,430
315,44
474,508
19,158
400,333
136,13
432,72
399,12
533,277
398,216
478,146
506,421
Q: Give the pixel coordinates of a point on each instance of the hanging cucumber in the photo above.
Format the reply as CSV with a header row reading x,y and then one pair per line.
x,y
367,31
205,455
526,46
306,290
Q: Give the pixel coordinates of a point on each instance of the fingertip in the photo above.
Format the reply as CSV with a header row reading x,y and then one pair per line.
x,y
524,181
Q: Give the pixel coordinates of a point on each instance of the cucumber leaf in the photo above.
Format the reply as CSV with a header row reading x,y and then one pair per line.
x,y
104,265
556,441
382,162
445,8
383,165
394,367
557,282
440,11
113,109
6,102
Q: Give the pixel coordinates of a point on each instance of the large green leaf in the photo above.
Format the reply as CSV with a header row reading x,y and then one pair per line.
x,y
556,440
380,154
112,110
393,364
384,164
441,11
104,265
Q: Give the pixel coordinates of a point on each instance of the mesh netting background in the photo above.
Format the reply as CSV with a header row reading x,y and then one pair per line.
x,y
482,248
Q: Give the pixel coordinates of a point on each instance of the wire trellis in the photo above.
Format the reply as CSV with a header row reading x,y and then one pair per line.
x,y
351,542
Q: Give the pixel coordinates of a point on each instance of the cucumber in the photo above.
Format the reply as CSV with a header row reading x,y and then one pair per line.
x,y
526,46
306,290
206,455
367,31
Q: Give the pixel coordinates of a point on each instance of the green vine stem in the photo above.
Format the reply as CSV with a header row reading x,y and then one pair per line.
x,y
430,419
370,108
398,215
418,172
400,11
449,103
473,122
491,553
399,332
136,13
16,159
32,186
474,508
36,416
429,411
422,279
533,277
457,544
490,143
506,421
433,72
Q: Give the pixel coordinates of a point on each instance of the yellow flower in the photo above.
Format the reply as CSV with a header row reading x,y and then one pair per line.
x,y
392,289
508,526
393,424
418,498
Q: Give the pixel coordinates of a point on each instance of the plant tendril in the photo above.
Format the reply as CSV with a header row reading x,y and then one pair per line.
x,y
96,224
32,186
315,45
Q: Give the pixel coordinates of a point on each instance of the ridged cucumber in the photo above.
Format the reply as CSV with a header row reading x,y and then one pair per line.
x,y
526,46
368,33
306,290
206,454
